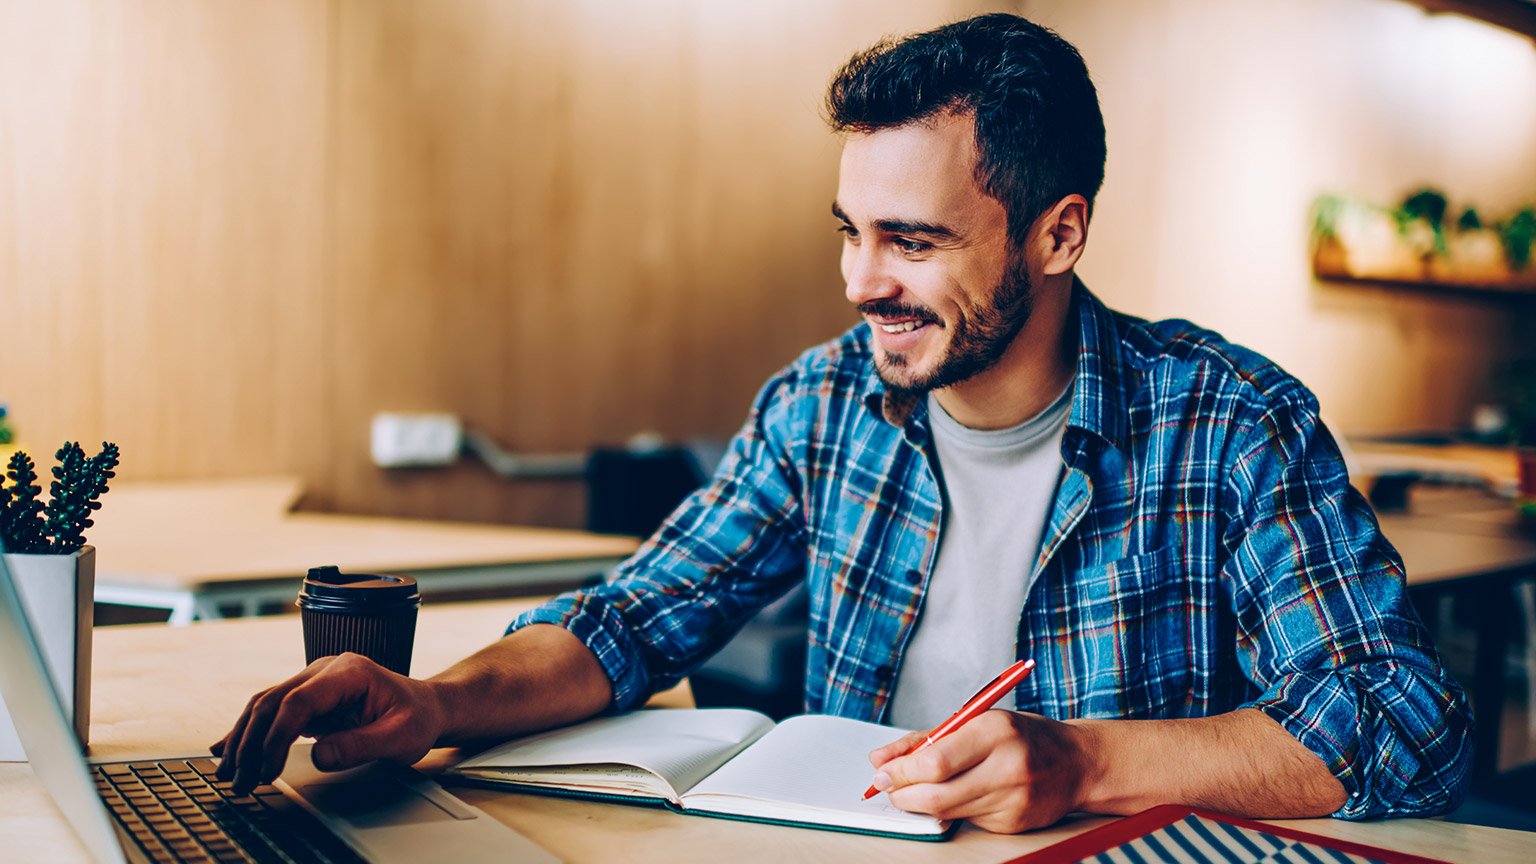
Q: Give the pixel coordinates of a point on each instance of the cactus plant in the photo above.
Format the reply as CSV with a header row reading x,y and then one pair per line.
x,y
29,526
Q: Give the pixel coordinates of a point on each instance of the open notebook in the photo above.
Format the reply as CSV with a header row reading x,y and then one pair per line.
x,y
809,770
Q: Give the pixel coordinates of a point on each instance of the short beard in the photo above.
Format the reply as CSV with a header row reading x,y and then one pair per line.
x,y
981,335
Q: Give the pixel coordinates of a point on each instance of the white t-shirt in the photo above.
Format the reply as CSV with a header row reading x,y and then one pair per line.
x,y
999,486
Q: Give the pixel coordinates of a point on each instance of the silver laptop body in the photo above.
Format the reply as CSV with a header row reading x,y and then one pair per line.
x,y
385,813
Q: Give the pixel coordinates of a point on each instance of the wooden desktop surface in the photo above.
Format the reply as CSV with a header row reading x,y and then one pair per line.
x,y
162,690
185,536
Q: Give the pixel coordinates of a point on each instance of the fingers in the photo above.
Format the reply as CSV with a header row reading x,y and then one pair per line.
x,y
248,752
946,757
1005,772
295,711
230,746
959,797
252,724
897,748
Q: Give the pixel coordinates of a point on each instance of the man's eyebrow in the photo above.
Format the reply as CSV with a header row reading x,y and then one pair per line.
x,y
923,229
903,226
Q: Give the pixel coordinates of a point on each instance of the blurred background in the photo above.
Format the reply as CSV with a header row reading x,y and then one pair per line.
x,y
232,233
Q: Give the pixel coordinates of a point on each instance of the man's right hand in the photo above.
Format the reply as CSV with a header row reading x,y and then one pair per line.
x,y
538,677
357,711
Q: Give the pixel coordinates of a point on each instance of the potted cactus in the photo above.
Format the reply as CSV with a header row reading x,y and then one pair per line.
x,y
54,569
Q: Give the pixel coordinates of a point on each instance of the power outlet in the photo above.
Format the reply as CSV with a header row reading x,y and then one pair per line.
x,y
416,440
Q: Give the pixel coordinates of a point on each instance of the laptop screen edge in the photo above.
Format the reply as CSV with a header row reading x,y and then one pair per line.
x,y
45,733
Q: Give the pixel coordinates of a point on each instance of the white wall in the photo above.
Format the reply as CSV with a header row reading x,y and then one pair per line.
x,y
1227,117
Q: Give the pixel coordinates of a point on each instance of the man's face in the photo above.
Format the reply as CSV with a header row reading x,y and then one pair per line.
x,y
926,254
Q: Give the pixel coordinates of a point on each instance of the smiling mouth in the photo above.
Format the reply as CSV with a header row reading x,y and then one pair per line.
x,y
896,318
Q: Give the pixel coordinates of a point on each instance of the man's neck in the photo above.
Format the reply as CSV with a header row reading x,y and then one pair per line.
x,y
1029,376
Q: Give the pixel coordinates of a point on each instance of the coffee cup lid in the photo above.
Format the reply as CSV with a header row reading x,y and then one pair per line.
x,y
328,586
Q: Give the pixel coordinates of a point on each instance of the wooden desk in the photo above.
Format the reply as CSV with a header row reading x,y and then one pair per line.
x,y
160,689
1462,543
210,549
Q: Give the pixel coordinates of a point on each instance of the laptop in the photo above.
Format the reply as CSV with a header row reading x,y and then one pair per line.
x,y
172,808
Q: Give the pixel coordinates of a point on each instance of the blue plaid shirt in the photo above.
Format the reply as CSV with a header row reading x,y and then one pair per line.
x,y
1205,553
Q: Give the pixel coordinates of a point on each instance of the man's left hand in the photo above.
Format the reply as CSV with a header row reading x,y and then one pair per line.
x,y
1004,771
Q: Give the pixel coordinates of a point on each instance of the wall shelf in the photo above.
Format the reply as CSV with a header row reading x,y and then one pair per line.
x,y
1331,263
1519,291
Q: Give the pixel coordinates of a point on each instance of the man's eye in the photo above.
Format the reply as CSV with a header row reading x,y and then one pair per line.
x,y
910,247
848,231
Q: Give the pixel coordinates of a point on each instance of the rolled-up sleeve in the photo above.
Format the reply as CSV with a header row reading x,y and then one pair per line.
x,y
1325,628
728,550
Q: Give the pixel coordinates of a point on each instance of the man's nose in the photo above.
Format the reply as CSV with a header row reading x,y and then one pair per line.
x,y
867,276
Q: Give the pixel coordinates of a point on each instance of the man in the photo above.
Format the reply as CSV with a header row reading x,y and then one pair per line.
x,y
993,466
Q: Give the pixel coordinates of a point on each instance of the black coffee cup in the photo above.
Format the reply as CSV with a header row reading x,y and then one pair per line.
x,y
372,614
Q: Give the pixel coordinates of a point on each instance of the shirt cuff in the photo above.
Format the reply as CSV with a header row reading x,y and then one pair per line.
x,y
1397,750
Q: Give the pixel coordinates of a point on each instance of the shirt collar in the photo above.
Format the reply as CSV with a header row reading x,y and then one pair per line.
x,y
1098,406
1097,403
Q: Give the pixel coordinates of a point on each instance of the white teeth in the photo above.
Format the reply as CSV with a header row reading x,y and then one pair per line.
x,y
903,327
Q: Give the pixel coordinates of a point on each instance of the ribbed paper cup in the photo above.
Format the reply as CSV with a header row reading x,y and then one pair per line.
x,y
372,614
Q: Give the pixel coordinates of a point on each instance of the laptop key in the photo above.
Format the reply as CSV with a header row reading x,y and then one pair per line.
x,y
204,767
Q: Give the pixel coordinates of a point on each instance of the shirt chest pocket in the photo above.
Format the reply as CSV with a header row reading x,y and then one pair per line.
x,y
1126,640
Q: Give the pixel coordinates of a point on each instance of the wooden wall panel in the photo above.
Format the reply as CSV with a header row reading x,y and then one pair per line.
x,y
163,175
573,223
52,88
235,231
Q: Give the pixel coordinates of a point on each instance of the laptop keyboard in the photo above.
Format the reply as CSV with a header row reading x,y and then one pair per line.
x,y
178,811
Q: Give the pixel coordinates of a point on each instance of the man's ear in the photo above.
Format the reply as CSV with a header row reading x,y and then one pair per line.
x,y
1060,234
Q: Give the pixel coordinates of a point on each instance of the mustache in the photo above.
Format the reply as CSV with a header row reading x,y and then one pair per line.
x,y
887,308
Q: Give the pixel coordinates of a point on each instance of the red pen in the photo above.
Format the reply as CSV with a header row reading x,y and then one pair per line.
x,y
973,707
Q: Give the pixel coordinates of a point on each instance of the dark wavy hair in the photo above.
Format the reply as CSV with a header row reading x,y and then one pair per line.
x,y
1039,132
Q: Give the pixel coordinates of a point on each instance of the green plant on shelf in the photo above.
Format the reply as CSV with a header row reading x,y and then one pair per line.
x,y
56,527
1518,234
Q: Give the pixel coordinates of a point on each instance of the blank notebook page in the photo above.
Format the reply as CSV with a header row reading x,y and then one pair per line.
x,y
809,761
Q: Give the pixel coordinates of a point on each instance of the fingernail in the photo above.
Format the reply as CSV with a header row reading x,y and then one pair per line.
x,y
882,781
